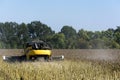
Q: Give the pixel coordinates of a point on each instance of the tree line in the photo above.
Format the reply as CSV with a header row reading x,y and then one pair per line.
x,y
14,35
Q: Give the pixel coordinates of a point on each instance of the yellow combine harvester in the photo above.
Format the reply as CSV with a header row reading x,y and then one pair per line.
x,y
35,50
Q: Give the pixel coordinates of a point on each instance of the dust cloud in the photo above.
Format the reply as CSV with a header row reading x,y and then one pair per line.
x,y
102,55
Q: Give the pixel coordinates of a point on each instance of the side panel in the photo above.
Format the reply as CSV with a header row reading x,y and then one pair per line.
x,y
39,52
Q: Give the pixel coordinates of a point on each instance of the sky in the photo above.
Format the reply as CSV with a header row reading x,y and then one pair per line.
x,y
92,15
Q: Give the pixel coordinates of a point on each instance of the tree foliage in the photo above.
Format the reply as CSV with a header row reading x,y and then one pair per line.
x,y
14,35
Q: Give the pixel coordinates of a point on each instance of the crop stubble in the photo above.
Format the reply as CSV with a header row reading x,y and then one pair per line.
x,y
79,64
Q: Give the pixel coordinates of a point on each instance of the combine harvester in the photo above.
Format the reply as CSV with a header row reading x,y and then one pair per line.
x,y
35,51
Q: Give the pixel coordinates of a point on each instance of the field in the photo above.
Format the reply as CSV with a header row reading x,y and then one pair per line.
x,y
79,64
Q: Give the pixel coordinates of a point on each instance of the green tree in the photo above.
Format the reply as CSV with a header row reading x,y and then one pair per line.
x,y
70,36
8,32
58,41
82,44
117,35
97,44
82,34
22,34
37,30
